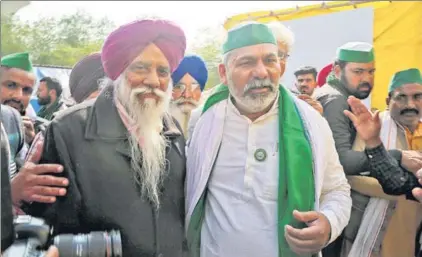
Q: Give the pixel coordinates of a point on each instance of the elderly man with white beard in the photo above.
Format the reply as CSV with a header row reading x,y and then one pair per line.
x,y
122,153
261,178
189,81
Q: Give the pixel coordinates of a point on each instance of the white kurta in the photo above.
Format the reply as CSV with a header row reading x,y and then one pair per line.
x,y
332,192
240,217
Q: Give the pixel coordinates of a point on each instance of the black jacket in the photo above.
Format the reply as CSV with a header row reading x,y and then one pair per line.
x,y
90,141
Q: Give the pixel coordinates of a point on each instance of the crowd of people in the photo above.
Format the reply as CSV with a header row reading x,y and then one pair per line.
x,y
246,168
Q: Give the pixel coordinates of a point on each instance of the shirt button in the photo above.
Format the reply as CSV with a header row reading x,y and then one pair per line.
x,y
402,179
370,156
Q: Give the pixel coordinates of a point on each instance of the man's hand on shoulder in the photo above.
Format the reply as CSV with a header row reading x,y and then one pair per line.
x,y
31,184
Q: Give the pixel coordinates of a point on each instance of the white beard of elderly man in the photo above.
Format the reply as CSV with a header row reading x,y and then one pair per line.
x,y
189,81
122,152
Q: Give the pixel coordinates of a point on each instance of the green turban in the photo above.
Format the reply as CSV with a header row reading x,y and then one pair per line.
x,y
404,77
17,60
356,52
248,35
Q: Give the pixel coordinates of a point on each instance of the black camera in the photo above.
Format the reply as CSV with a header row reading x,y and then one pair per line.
x,y
33,237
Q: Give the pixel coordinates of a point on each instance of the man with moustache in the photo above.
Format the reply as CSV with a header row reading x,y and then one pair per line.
x,y
122,152
306,80
285,40
49,97
189,81
17,87
353,75
400,128
269,183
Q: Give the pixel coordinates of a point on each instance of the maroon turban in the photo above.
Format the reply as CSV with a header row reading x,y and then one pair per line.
x,y
123,45
84,77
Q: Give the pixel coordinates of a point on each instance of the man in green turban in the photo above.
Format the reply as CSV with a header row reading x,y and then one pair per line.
x,y
17,87
397,128
353,75
261,178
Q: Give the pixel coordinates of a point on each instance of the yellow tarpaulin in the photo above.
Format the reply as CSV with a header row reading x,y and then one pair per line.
x,y
397,35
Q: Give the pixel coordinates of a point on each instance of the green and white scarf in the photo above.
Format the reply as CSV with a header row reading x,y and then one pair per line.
x,y
296,179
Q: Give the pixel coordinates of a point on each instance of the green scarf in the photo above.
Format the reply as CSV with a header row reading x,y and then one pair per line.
x,y
48,112
332,80
296,180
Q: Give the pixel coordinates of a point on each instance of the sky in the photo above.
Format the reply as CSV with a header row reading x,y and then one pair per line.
x,y
190,15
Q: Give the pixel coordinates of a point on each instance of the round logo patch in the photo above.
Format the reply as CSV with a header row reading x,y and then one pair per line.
x,y
260,155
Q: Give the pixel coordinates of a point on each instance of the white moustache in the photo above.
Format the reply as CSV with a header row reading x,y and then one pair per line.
x,y
185,101
257,84
147,90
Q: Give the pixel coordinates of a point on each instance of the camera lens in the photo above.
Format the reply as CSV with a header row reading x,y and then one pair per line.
x,y
94,244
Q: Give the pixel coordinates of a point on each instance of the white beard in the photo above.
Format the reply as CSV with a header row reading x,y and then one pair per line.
x,y
253,103
181,115
148,160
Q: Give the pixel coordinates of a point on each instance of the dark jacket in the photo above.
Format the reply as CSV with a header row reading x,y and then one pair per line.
x,y
7,231
90,141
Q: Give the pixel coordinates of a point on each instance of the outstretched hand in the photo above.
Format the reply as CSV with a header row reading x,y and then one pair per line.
x,y
367,124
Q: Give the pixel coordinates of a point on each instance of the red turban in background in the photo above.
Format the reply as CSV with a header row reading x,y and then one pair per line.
x,y
124,44
323,74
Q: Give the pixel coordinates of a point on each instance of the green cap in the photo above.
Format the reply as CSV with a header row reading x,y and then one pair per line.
x,y
248,35
356,52
17,60
404,77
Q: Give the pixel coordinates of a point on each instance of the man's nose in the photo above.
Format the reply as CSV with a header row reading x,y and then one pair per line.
x,y
17,94
260,71
187,93
152,80
367,77
411,103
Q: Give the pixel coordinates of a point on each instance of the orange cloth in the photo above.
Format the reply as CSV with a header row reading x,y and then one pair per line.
x,y
415,140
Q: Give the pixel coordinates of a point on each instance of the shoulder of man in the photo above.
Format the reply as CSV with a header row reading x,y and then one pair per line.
x,y
194,117
12,122
327,94
76,114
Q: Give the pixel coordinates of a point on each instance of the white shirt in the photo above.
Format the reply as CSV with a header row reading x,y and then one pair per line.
x,y
241,216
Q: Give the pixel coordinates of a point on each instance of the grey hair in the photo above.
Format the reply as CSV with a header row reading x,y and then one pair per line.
x,y
282,34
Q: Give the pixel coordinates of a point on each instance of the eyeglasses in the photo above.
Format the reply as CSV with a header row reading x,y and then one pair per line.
x,y
180,88
283,55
